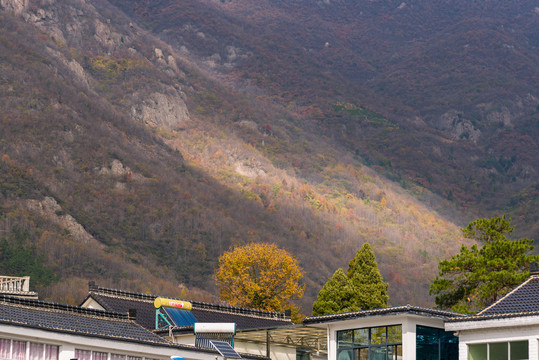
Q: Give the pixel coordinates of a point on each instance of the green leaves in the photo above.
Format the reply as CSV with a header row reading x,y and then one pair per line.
x,y
486,230
361,288
477,277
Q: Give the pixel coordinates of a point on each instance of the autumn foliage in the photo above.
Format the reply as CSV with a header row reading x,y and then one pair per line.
x,y
259,276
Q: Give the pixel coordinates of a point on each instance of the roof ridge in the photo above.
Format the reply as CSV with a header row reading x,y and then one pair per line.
x,y
34,303
407,308
239,310
196,304
480,313
477,317
125,293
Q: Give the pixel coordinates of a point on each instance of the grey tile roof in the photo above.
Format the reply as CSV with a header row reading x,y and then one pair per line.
x,y
521,301
122,301
524,298
406,309
74,320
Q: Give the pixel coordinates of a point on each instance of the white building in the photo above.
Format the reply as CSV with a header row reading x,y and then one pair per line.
x,y
394,333
37,330
506,330
263,333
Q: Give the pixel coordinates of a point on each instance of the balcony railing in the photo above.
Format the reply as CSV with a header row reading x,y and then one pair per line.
x,y
15,284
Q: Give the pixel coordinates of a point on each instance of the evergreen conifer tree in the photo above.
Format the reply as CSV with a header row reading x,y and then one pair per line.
x,y
361,288
478,276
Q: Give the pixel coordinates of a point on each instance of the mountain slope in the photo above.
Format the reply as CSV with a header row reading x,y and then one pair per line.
x,y
457,79
137,161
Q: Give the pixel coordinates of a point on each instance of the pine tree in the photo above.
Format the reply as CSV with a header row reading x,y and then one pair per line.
x,y
335,296
478,276
361,288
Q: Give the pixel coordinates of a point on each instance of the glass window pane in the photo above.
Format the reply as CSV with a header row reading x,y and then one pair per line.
x,y
477,352
19,350
392,352
96,355
398,352
378,335
498,351
117,357
344,354
36,351
139,358
394,334
362,354
5,348
345,338
449,346
83,354
51,352
377,353
361,337
427,343
519,350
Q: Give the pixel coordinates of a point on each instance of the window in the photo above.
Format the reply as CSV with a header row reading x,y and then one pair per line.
x,y
5,348
436,344
374,343
96,355
83,354
36,351
16,350
514,350
51,352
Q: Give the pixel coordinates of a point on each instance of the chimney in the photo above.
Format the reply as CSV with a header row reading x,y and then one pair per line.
x,y
91,285
132,313
534,269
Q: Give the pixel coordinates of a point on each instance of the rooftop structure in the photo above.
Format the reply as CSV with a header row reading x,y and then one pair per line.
x,y
124,301
266,333
395,333
507,329
39,330
16,286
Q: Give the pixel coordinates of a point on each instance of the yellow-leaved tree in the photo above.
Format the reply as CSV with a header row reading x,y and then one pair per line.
x,y
260,276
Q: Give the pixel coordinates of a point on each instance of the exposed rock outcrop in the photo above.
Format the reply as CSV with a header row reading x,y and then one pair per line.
x,y
162,110
50,209
457,126
16,6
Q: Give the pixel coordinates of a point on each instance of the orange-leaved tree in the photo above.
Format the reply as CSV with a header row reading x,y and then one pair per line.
x,y
259,276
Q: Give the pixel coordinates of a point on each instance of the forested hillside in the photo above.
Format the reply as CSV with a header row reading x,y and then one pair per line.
x,y
454,83
140,142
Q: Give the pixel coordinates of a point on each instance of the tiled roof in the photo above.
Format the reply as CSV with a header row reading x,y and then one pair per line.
x,y
407,309
74,320
524,298
521,301
123,301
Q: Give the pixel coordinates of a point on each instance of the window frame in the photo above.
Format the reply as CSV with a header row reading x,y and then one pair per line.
x,y
488,345
355,348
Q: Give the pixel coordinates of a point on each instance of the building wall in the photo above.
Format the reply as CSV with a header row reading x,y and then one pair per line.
x,y
277,352
408,323
500,334
68,343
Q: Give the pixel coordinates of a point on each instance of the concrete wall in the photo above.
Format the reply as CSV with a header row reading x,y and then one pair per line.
x,y
502,330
